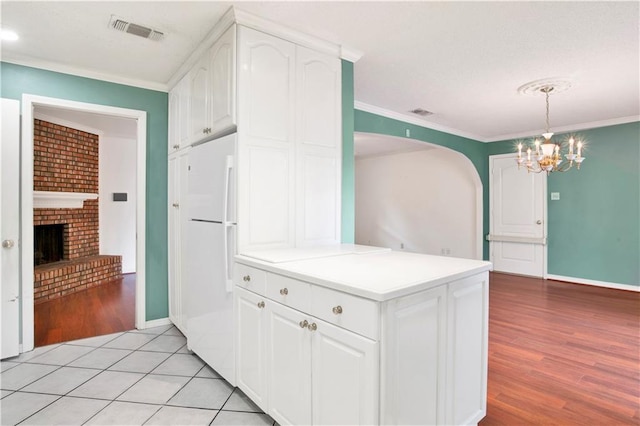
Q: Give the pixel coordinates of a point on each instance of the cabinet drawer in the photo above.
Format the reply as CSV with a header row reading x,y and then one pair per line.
x,y
351,312
250,278
290,292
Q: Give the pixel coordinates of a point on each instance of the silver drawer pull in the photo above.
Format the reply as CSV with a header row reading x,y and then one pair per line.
x,y
176,205
304,324
284,291
312,327
246,278
337,310
261,304
176,146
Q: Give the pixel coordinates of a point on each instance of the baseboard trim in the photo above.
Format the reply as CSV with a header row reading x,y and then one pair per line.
x,y
157,322
574,280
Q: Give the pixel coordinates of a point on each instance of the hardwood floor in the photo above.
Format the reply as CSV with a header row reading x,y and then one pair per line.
x,y
562,354
105,309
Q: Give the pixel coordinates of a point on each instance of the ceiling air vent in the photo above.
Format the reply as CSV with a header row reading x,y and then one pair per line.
x,y
421,112
135,29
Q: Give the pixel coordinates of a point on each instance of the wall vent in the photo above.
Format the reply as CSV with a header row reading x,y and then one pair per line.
x,y
421,112
120,24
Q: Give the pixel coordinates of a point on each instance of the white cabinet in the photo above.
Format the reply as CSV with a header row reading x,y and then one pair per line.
x,y
178,135
177,197
315,355
316,372
212,90
289,144
467,349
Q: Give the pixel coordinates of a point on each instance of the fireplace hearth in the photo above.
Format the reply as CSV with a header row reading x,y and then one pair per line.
x,y
48,243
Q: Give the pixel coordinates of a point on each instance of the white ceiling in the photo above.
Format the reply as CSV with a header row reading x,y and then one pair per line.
x,y
462,60
108,125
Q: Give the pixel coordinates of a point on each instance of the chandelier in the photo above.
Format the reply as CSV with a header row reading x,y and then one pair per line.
x,y
545,156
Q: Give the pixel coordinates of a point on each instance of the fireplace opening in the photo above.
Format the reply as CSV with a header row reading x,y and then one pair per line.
x,y
48,243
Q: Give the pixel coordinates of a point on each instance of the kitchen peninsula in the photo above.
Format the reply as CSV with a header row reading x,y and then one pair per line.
x,y
351,334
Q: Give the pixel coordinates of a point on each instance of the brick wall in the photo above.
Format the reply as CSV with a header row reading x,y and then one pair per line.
x,y
66,160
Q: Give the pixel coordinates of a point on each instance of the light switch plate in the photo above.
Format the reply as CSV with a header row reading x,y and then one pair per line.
x,y
555,196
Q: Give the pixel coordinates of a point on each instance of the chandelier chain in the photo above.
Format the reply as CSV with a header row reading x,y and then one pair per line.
x,y
546,92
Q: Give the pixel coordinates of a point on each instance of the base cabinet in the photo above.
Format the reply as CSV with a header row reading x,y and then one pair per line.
x,y
316,373
427,364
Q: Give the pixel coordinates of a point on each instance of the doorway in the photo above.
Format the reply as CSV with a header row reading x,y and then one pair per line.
x,y
32,106
517,230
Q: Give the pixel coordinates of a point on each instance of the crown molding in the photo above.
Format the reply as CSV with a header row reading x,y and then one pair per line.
x,y
414,120
567,129
86,73
350,54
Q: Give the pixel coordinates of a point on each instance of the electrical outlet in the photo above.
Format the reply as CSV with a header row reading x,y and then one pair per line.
x,y
555,196
407,133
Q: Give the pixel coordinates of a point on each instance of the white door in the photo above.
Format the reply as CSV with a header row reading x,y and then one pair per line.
x,y
10,227
517,228
223,79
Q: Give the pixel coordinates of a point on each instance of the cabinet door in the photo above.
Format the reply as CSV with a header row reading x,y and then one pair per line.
x,y
319,155
289,366
468,319
266,141
199,96
414,366
344,377
251,332
222,114
184,107
174,120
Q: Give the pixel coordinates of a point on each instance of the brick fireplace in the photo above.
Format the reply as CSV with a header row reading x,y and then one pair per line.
x,y
66,161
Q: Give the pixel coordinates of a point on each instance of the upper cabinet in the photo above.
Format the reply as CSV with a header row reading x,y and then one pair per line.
x,y
213,87
179,116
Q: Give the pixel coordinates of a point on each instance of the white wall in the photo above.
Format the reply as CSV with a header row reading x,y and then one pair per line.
x,y
426,201
118,219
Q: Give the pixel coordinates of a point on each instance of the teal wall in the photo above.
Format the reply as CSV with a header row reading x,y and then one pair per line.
x,y
474,150
17,80
348,160
594,229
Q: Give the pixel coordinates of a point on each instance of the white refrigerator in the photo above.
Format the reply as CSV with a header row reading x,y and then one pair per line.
x,y
211,235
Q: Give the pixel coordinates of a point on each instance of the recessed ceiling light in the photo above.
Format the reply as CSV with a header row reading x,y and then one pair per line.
x,y
8,35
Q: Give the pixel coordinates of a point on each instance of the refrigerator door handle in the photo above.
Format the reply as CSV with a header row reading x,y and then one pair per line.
x,y
227,188
228,279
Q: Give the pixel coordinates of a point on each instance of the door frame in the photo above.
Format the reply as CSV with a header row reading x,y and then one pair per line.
x,y
544,211
26,193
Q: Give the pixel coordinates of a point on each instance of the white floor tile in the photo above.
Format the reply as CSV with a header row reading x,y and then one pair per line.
x,y
173,331
61,381
165,344
168,416
107,385
67,411
96,341
6,365
184,350
154,389
129,341
18,406
208,372
236,418
26,356
62,355
124,413
203,393
101,358
153,330
240,402
180,365
23,375
4,393
140,362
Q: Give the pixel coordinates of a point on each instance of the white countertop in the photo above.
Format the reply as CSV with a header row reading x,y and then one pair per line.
x,y
302,253
374,274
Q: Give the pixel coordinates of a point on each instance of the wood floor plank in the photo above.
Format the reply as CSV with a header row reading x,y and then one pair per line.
x,y
562,354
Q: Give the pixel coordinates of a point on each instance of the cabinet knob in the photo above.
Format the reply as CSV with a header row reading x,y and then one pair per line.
x,y
246,278
176,146
312,327
261,304
337,310
8,243
176,205
304,324
538,222
284,291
